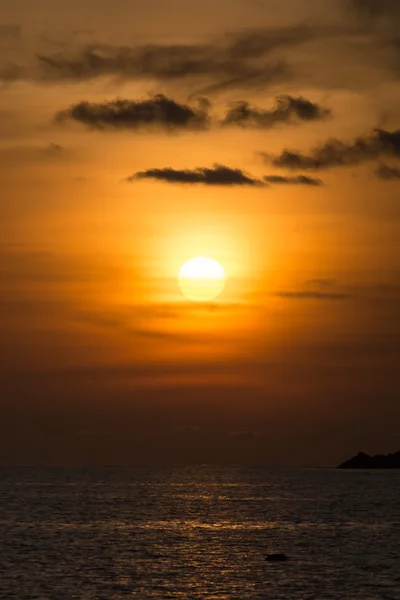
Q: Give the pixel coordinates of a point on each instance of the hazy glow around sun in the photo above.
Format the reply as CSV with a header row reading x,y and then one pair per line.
x,y
201,279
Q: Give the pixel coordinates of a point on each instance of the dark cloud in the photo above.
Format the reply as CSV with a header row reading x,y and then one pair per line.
x,y
159,111
156,112
288,110
336,153
312,295
217,175
298,180
387,173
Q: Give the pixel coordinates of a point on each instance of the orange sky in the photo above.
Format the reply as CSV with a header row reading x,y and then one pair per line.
x,y
102,359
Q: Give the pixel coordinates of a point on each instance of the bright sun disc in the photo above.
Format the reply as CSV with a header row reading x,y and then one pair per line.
x,y
201,279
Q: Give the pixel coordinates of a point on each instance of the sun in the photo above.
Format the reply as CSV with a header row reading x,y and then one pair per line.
x,y
201,279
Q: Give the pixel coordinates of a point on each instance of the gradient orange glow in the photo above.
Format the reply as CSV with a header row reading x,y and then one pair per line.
x,y
301,334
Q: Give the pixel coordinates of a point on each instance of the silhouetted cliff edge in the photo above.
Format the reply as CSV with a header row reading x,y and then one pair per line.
x,y
379,461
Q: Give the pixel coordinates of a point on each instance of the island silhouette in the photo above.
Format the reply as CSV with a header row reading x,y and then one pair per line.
x,y
378,461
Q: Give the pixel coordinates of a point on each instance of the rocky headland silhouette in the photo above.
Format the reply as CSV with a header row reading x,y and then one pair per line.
x,y
378,461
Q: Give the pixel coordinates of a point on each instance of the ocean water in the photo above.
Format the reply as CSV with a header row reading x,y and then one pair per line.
x,y
198,532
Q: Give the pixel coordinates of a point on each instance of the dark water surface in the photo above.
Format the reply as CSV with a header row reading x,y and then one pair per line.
x,y
198,532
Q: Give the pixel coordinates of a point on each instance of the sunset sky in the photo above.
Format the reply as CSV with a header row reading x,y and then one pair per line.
x,y
137,134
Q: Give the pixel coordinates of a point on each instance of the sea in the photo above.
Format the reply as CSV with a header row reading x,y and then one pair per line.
x,y
200,532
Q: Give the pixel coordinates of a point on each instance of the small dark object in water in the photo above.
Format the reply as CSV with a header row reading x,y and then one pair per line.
x,y
276,557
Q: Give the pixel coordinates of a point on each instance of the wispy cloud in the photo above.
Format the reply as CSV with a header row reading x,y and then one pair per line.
x,y
311,295
253,59
34,152
388,173
322,289
234,60
298,180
